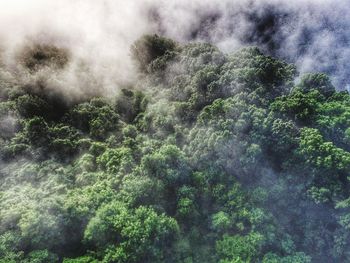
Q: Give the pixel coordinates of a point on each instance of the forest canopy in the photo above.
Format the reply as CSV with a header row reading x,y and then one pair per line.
x,y
209,157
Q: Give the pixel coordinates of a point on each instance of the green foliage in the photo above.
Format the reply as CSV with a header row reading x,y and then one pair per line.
x,y
244,248
318,81
86,259
142,234
38,56
129,104
322,154
298,105
114,160
151,47
221,221
96,117
250,68
41,256
64,140
297,258
168,164
208,157
30,105
36,131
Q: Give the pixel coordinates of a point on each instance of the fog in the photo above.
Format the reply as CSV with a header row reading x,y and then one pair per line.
x,y
311,34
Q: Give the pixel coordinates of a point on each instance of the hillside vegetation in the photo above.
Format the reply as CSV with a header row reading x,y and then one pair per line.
x,y
210,157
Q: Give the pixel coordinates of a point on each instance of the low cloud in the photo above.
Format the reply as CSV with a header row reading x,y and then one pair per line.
x,y
312,34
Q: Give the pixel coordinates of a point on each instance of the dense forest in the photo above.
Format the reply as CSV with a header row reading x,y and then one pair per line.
x,y
208,157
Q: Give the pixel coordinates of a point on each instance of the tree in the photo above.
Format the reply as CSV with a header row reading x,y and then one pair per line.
x,y
322,154
296,258
36,131
115,160
142,235
245,248
298,105
38,56
318,81
168,164
95,117
30,105
151,47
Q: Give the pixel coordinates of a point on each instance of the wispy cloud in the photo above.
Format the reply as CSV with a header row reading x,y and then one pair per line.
x,y
313,34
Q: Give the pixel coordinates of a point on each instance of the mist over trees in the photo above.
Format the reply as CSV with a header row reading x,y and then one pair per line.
x,y
209,157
